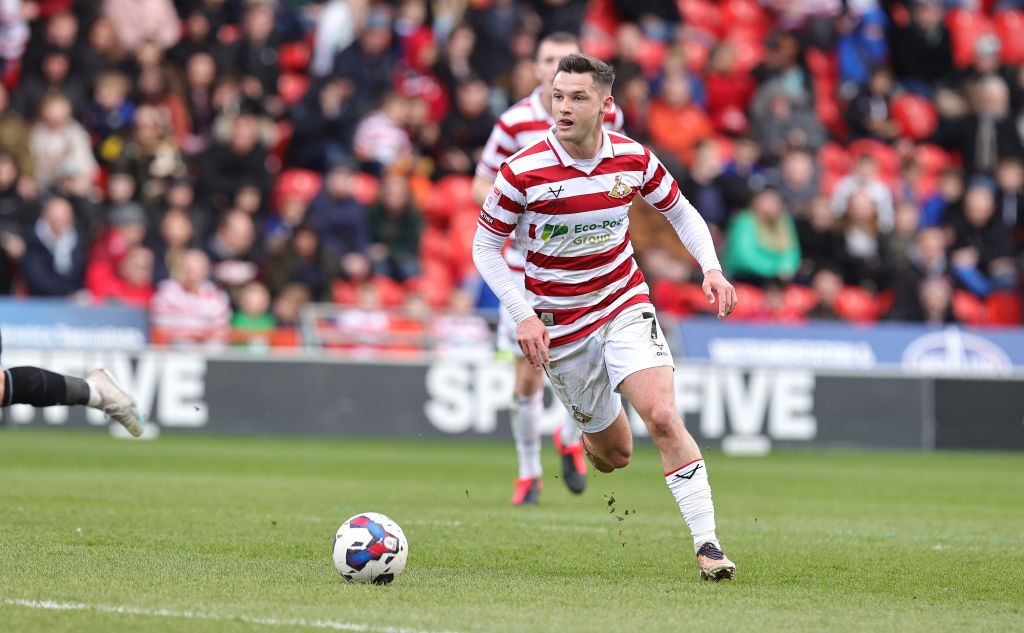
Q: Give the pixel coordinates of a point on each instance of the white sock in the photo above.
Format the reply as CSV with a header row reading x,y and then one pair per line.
x,y
94,396
571,434
689,485
526,416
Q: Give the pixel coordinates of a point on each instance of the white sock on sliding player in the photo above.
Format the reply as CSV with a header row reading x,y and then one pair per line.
x,y
526,415
690,487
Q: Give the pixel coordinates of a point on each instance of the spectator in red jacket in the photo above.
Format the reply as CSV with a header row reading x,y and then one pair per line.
x,y
131,282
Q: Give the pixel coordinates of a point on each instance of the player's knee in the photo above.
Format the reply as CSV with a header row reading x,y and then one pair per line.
x,y
619,458
663,422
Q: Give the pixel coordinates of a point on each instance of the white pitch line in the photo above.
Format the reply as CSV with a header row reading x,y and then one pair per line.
x,y
333,625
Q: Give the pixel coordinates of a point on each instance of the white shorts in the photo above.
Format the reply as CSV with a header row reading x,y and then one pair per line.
x,y
507,340
586,374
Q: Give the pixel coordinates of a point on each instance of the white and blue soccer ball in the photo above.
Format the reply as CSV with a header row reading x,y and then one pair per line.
x,y
370,547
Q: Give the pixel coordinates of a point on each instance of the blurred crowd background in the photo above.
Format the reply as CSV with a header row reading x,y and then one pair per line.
x,y
225,163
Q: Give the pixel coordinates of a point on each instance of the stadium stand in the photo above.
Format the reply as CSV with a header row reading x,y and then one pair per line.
x,y
323,151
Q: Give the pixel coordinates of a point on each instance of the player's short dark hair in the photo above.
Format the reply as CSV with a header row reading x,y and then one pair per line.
x,y
558,37
580,64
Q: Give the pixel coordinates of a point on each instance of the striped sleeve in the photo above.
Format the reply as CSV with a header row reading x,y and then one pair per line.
x,y
662,192
499,146
504,204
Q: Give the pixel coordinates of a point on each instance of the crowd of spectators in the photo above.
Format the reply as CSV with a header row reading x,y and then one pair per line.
x,y
224,162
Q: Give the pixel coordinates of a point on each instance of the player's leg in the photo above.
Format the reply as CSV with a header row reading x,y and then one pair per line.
x,y
42,388
651,391
568,439
611,448
528,406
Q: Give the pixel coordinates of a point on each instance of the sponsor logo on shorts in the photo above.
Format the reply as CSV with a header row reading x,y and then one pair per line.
x,y
579,415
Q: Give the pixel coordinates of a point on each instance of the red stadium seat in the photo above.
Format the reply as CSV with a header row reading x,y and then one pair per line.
x,y
799,299
965,28
1004,308
742,14
293,57
834,157
651,56
695,56
751,302
452,195
292,87
1009,27
915,116
969,309
887,157
282,140
749,52
932,158
303,183
701,15
366,188
857,305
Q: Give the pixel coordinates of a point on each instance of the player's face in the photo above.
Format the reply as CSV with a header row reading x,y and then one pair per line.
x,y
548,56
578,106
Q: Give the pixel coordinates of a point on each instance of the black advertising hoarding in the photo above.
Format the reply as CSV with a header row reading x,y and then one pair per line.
x,y
238,394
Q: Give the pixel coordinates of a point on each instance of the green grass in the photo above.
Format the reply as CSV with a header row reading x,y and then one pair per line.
x,y
233,528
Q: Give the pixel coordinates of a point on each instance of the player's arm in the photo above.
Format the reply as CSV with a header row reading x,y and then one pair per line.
x,y
498,219
662,192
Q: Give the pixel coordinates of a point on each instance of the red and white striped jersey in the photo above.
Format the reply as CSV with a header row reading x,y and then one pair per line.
x,y
524,124
196,315
571,218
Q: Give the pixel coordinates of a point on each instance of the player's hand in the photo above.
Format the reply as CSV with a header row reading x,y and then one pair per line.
x,y
717,288
533,340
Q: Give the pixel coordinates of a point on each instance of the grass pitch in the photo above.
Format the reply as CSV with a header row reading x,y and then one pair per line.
x,y
227,534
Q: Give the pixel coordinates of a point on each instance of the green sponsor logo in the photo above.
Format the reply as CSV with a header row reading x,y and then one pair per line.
x,y
553,230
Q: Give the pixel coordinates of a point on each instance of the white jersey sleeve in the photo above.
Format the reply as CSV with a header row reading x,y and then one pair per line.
x,y
498,219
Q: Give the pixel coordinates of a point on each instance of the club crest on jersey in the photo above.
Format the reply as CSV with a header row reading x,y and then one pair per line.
x,y
620,189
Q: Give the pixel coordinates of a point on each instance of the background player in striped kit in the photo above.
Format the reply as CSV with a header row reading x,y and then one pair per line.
x,y
519,126
587,316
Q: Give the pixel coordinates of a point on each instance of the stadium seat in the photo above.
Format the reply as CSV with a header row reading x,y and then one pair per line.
x,y
751,301
452,194
651,56
282,140
932,158
915,116
857,305
366,188
1009,26
1004,308
742,14
293,57
965,28
834,157
969,309
749,52
292,87
701,15
304,183
229,34
887,157
799,299
695,56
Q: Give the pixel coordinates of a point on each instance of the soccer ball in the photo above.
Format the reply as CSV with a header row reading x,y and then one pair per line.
x,y
370,547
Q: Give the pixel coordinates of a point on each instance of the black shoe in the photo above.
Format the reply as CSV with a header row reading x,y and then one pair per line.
x,y
574,466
